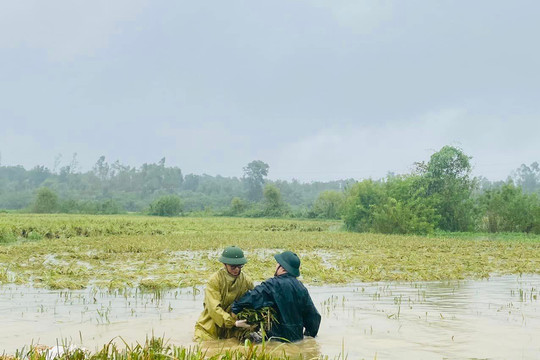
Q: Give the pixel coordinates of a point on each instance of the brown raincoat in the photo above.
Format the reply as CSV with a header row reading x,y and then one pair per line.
x,y
221,291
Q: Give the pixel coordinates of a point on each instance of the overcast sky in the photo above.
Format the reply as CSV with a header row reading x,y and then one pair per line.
x,y
320,90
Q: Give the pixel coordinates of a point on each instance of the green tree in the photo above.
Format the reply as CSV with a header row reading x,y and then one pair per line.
x,y
254,177
360,198
169,205
273,203
447,181
406,209
328,205
508,208
101,169
528,177
46,201
191,182
238,206
109,206
38,175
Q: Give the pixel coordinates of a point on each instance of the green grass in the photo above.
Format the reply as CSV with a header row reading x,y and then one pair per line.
x,y
158,349
73,251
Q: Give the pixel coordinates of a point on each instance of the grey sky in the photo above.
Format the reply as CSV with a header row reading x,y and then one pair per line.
x,y
319,90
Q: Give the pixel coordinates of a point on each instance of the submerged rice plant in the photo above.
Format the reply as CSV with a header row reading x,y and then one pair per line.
x,y
154,254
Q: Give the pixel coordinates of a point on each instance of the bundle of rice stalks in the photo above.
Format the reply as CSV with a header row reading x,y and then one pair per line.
x,y
261,320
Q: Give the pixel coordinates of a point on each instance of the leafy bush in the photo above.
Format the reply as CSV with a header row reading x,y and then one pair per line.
x,y
170,205
105,207
509,209
407,210
395,217
238,206
360,198
273,203
329,205
398,206
46,201
109,207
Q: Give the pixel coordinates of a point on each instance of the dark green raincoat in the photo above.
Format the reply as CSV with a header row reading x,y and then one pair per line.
x,y
294,308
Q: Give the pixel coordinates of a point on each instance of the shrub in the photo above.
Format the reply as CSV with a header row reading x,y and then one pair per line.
x,y
46,201
273,203
109,207
170,205
359,201
509,209
395,217
329,205
238,206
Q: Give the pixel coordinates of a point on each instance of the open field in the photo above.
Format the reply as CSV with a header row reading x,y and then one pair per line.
x,y
116,252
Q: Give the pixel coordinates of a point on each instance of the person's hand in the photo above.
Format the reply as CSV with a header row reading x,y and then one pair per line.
x,y
242,324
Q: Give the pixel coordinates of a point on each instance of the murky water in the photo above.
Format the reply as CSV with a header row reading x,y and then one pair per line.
x,y
497,318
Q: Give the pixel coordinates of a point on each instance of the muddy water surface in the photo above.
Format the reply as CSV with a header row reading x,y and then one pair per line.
x,y
497,318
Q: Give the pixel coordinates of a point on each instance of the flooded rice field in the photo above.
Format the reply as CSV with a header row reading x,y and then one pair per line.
x,y
495,318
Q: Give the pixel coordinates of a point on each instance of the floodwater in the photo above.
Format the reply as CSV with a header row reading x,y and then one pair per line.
x,y
496,318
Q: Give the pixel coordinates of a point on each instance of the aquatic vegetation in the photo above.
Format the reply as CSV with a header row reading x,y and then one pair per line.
x,y
155,349
154,254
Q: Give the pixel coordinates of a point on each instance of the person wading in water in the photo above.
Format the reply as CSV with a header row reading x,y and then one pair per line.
x,y
295,313
224,287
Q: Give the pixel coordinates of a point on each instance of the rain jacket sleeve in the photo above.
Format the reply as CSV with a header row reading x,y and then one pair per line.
x,y
213,302
311,318
261,296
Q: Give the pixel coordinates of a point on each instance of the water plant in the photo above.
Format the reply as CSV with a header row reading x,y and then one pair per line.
x,y
156,349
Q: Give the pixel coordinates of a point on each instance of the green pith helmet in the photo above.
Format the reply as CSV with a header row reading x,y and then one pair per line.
x,y
233,255
290,262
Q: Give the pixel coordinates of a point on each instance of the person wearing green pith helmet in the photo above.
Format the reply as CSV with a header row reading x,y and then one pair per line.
x,y
224,287
296,316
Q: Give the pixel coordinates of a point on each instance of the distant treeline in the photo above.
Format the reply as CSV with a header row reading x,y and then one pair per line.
x,y
438,195
116,188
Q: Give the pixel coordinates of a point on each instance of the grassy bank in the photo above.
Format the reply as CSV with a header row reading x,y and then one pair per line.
x,y
60,251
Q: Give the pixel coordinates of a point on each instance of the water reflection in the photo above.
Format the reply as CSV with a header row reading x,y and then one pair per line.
x,y
498,318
